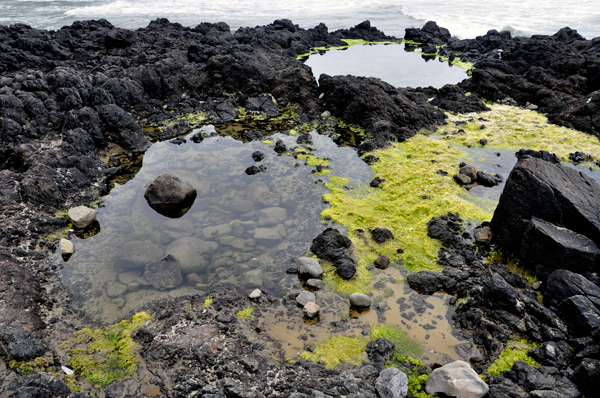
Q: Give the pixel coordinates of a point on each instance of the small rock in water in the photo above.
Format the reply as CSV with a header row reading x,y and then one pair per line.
x,y
456,379
489,180
291,270
267,236
241,206
66,247
305,297
197,138
381,235
269,199
392,383
133,287
469,171
309,267
178,141
193,279
255,169
360,301
257,156
461,179
256,293
382,262
82,216
483,235
280,147
253,278
311,309
169,195
315,284
129,276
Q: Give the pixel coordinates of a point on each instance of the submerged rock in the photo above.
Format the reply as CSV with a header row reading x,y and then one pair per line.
x,y
170,195
138,253
305,297
456,379
193,254
164,274
66,247
311,309
82,216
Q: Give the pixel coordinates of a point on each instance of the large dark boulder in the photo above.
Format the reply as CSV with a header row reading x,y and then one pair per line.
x,y
42,385
548,247
169,195
552,193
22,345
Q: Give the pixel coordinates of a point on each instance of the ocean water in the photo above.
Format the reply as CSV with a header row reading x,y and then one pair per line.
x,y
464,18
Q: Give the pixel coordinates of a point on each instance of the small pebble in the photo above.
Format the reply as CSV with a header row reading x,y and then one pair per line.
x,y
311,309
256,293
382,262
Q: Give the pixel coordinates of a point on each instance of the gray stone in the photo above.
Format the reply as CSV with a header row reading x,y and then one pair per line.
x,y
256,293
143,282
192,253
164,274
138,253
253,278
392,383
309,267
133,287
129,276
305,297
216,231
168,189
315,284
360,301
271,216
311,309
456,379
116,289
193,279
82,216
241,206
255,189
269,198
267,236
461,179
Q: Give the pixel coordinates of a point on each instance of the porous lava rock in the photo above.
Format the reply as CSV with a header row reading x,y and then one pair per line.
x,y
332,246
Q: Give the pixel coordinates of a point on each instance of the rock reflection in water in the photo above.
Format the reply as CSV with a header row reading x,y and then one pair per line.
x,y
244,229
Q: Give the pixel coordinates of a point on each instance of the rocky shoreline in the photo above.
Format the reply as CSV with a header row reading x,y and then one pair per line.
x,y
72,98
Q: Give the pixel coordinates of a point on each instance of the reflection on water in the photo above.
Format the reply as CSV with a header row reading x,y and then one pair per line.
x,y
393,63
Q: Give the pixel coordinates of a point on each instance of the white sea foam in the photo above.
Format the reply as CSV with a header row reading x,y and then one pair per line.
x,y
464,19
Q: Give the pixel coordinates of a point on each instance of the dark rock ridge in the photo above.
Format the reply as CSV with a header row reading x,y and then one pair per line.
x,y
332,246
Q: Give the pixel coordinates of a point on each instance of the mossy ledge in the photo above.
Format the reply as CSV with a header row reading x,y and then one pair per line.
x,y
105,355
515,350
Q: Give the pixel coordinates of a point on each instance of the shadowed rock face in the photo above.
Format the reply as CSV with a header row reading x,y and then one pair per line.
x,y
552,193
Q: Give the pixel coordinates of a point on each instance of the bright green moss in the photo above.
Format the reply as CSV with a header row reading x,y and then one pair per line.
x,y
405,346
337,350
208,301
349,43
106,355
511,127
246,313
415,371
312,160
412,194
516,350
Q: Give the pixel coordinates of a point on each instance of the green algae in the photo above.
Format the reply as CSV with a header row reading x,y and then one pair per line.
x,y
405,346
512,127
414,369
208,301
349,43
39,363
516,350
337,350
106,355
246,313
411,195
312,160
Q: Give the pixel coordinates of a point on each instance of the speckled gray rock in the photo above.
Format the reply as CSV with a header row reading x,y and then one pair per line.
x,y
305,297
164,274
311,309
253,278
168,188
271,216
82,216
392,383
360,301
66,247
456,379
192,253
309,267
